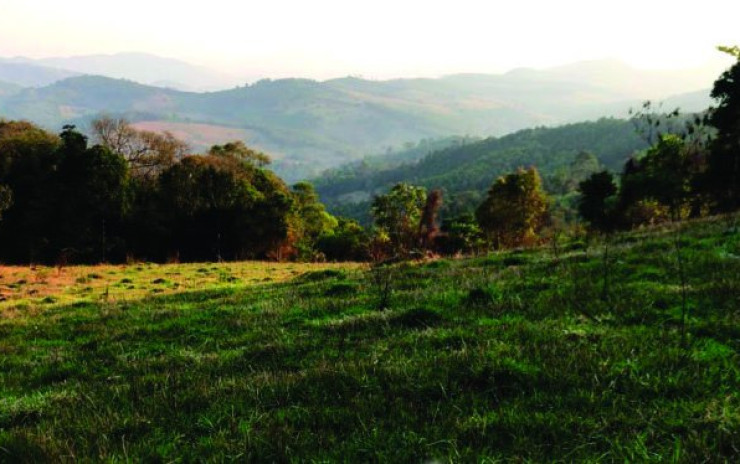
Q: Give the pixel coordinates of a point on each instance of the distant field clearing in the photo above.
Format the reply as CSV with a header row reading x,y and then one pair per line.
x,y
199,136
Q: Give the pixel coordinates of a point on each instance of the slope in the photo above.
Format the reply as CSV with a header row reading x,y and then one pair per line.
x,y
31,75
465,172
511,357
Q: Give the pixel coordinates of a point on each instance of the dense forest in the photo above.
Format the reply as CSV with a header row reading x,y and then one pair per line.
x,y
142,195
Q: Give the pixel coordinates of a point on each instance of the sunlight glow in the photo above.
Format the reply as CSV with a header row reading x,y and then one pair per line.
x,y
378,39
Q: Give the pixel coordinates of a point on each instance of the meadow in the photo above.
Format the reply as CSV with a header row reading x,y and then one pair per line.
x,y
557,354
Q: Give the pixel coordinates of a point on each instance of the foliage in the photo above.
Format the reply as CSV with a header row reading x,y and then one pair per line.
x,y
597,201
564,156
311,221
565,180
224,209
732,51
397,214
88,199
461,235
66,196
240,151
428,226
664,175
348,241
72,203
515,210
724,161
669,181
147,153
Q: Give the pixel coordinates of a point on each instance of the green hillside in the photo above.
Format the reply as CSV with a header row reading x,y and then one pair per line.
x,y
511,357
465,172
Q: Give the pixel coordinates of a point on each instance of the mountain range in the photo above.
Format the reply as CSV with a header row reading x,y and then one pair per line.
x,y
143,68
308,125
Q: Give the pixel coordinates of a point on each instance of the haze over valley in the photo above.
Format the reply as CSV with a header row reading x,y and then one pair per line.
x,y
310,125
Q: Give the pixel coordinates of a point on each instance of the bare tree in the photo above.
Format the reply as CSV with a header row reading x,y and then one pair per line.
x,y
147,153
428,228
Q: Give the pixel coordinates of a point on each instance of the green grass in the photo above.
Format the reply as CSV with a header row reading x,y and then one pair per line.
x,y
509,357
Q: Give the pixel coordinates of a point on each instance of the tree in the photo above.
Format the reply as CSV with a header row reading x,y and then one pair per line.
x,y
147,153
428,227
89,196
240,151
597,201
221,208
397,215
348,241
461,235
310,220
724,159
28,163
597,206
515,209
665,175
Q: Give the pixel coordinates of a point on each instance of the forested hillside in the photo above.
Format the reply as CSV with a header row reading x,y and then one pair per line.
x,y
464,172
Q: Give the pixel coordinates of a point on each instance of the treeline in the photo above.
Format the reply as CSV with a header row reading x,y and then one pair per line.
x,y
139,195
406,222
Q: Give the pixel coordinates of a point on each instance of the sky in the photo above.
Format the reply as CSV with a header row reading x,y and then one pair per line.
x,y
378,38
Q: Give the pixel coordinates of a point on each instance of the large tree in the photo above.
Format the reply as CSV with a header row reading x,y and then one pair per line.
x,y
724,161
28,163
237,149
89,197
597,201
221,208
310,220
147,153
397,215
515,209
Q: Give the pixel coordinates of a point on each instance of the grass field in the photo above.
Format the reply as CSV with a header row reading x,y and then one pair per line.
x,y
39,286
518,356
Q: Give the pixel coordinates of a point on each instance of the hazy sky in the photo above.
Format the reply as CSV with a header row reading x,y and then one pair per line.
x,y
378,38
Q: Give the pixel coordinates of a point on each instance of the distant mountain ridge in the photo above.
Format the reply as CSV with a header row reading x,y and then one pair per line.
x,y
25,74
312,125
143,68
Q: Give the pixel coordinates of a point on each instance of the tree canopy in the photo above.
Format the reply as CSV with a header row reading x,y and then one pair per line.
x,y
138,195
724,161
397,215
515,209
